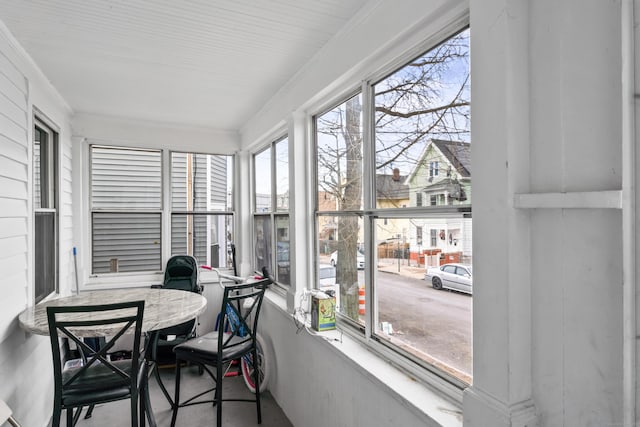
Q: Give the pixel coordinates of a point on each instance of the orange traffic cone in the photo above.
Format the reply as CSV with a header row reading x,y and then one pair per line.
x,y
361,304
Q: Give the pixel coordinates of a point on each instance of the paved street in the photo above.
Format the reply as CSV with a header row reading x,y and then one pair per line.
x,y
433,325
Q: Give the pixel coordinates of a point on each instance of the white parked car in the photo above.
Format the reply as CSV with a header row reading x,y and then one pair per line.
x,y
450,276
359,259
326,276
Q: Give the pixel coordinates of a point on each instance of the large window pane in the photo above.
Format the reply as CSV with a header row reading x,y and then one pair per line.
x,y
207,237
45,203
271,206
125,178
282,175
201,182
262,244
262,181
340,246
422,130
415,312
126,203
201,185
126,242
283,270
339,157
423,162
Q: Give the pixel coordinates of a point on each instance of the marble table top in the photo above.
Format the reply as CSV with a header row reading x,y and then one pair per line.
x,y
163,308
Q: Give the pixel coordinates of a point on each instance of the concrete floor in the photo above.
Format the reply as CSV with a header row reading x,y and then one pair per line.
x,y
234,414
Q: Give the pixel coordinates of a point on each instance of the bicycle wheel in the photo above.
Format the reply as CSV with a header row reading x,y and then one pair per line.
x,y
247,367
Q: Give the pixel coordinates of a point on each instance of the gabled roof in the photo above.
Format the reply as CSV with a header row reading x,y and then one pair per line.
x,y
390,187
458,153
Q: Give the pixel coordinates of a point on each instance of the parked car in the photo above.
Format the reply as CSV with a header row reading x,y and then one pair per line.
x,y
326,276
359,259
450,276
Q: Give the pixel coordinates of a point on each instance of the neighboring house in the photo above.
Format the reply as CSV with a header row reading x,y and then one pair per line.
x,y
327,226
391,192
442,178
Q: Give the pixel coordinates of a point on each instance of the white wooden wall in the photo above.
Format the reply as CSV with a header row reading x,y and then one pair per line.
x,y
25,360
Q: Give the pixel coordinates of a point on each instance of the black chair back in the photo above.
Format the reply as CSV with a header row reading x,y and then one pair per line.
x,y
97,379
239,315
181,273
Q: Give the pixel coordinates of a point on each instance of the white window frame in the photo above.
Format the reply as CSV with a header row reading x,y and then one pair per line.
x,y
143,278
53,188
271,215
444,382
194,212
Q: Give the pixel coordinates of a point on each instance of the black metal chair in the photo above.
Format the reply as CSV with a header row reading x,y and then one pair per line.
x,y
235,339
97,379
181,273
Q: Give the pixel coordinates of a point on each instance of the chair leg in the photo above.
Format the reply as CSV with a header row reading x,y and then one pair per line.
x,y
142,410
156,374
133,410
218,395
55,419
89,412
176,397
70,422
256,380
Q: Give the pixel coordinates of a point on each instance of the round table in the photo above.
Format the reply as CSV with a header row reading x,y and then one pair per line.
x,y
162,308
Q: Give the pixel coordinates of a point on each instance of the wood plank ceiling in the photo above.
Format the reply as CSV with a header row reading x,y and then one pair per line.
x,y
211,63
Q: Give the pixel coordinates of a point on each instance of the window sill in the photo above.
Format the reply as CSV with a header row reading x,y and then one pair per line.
x,y
416,396
122,280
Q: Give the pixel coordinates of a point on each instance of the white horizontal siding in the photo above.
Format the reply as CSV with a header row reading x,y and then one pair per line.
x,y
13,188
13,208
12,169
134,240
13,300
13,226
14,181
125,179
219,182
13,150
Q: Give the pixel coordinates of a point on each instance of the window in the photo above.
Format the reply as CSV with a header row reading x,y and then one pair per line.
x,y
433,168
126,210
271,210
201,207
414,133
45,209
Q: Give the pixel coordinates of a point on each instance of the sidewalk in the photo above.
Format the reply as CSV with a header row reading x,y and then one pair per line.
x,y
389,265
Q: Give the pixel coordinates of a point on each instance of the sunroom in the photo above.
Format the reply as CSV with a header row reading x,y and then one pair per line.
x,y
296,134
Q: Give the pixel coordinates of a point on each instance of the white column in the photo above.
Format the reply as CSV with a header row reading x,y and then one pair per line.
x,y
501,394
301,215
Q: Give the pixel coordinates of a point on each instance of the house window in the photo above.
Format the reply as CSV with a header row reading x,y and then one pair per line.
x,y
271,210
408,130
433,168
45,210
434,238
201,207
126,210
